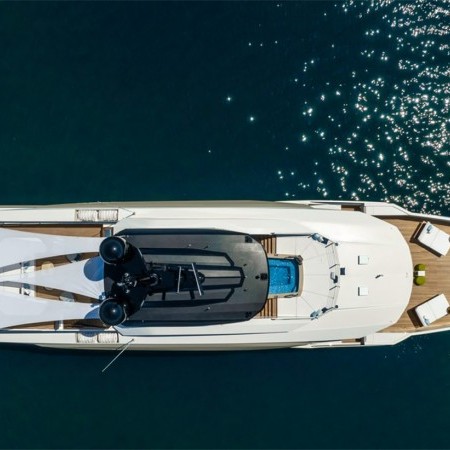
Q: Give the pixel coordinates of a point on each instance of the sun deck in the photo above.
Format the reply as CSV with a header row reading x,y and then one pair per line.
x,y
437,276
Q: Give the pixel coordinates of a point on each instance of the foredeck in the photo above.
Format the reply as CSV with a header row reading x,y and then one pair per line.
x,y
437,276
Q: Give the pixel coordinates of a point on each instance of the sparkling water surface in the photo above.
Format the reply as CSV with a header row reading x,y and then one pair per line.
x,y
252,100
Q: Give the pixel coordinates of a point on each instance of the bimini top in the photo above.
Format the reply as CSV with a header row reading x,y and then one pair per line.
x,y
194,276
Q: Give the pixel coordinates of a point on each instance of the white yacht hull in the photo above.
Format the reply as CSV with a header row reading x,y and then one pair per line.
x,y
353,324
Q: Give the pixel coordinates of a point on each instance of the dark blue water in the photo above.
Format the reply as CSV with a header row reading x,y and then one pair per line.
x,y
162,101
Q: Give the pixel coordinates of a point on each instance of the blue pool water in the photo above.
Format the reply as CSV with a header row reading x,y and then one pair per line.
x,y
283,276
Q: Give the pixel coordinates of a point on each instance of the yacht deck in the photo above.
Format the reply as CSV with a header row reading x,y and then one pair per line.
x,y
437,276
83,230
437,268
271,306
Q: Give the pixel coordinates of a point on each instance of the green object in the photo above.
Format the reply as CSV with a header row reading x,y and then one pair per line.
x,y
419,281
420,267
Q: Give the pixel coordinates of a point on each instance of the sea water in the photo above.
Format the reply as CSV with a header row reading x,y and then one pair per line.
x,y
242,100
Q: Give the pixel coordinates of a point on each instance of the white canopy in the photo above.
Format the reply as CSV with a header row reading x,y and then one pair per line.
x,y
19,246
83,277
17,309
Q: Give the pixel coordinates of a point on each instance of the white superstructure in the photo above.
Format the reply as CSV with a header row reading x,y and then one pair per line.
x,y
355,281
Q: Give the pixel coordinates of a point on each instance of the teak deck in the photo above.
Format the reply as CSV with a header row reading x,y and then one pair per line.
x,y
437,276
82,230
271,306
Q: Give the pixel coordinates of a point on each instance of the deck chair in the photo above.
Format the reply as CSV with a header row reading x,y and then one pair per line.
x,y
432,310
433,238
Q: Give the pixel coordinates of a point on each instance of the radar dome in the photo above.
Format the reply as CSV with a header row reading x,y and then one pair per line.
x,y
114,250
113,312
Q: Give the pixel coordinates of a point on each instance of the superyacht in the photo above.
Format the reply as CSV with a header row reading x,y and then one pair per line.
x,y
225,275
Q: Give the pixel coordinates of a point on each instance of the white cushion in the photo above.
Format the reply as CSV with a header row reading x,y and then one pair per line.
x,y
434,238
432,310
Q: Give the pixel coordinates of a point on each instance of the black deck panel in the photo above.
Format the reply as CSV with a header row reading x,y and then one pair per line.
x,y
234,267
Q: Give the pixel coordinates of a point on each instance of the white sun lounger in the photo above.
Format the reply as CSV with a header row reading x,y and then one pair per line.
x,y
435,239
432,310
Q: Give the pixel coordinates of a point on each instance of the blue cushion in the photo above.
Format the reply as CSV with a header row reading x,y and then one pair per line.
x,y
283,276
